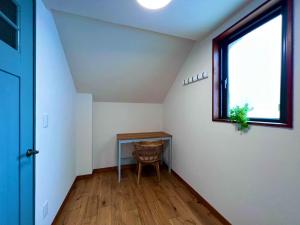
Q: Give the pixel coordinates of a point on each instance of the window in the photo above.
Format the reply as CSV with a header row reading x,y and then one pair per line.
x,y
252,63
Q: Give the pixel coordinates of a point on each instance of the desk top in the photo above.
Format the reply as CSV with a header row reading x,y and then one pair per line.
x,y
147,135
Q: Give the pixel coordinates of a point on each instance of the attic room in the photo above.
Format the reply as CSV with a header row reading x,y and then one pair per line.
x,y
149,112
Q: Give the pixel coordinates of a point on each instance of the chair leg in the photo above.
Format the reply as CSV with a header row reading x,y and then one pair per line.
x,y
139,172
157,171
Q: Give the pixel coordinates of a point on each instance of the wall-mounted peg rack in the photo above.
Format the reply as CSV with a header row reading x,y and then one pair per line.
x,y
194,79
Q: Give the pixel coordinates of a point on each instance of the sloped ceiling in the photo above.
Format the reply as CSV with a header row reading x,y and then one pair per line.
x,y
118,63
191,19
121,52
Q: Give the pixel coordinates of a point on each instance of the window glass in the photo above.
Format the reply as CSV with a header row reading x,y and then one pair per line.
x,y
8,34
254,70
9,9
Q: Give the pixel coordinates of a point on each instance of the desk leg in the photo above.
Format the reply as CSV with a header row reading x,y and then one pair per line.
x,y
170,155
119,161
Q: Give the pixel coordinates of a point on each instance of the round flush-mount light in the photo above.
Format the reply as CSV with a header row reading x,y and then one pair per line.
x,y
154,4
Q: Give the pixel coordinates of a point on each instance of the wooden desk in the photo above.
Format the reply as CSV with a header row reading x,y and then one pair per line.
x,y
138,137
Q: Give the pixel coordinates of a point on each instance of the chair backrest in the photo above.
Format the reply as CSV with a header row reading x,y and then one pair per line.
x,y
148,152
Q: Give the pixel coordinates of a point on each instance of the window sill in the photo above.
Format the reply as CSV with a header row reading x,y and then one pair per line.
x,y
258,123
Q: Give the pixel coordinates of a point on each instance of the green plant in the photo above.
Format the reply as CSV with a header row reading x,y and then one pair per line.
x,y
239,115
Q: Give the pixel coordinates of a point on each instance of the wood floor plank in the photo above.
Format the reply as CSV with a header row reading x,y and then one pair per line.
x,y
91,207
131,217
104,189
142,206
81,216
183,212
202,213
101,200
164,202
72,217
176,221
158,214
116,203
104,216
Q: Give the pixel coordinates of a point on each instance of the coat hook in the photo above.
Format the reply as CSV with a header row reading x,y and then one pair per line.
x,y
195,78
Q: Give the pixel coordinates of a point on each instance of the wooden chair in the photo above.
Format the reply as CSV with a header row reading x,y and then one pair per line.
x,y
148,153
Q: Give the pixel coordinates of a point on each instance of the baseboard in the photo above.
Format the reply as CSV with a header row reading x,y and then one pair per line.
x,y
59,212
106,169
113,168
80,177
203,201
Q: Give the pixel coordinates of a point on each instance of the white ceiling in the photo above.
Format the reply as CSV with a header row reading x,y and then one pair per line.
x,y
120,64
121,52
190,19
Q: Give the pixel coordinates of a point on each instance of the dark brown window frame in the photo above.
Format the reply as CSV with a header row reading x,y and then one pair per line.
x,y
251,18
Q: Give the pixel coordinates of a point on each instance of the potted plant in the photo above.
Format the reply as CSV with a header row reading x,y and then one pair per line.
x,y
239,115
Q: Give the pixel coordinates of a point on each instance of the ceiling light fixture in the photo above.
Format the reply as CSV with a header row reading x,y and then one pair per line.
x,y
154,4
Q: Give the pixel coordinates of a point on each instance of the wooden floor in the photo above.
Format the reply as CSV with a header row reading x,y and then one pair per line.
x,y
101,200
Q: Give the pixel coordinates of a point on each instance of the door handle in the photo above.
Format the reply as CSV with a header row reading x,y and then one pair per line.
x,y
31,152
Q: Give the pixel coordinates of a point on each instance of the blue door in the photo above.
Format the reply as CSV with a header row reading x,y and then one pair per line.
x,y
16,113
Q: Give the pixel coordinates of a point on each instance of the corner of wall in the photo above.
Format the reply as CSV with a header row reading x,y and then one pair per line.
x,y
84,124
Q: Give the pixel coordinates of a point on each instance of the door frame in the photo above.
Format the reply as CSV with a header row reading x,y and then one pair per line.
x,y
34,104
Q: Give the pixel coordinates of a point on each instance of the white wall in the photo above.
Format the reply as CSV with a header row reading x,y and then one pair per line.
x,y
112,118
83,142
55,96
251,179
